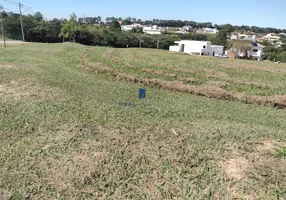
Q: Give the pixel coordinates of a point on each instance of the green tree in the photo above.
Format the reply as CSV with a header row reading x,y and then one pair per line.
x,y
126,22
273,53
115,26
38,16
281,57
221,38
69,28
228,28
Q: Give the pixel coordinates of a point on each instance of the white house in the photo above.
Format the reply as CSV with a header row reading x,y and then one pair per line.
x,y
272,37
130,27
256,52
234,37
244,37
197,48
186,28
153,30
210,30
127,27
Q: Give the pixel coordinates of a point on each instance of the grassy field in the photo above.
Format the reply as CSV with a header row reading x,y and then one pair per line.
x,y
211,130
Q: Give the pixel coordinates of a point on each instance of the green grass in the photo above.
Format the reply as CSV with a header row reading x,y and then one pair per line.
x,y
268,74
280,152
63,134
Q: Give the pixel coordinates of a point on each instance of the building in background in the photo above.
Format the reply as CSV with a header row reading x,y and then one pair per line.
x,y
197,48
153,30
131,27
255,52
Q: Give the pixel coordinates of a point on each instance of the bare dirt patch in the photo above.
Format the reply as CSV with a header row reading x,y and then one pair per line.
x,y
266,145
4,195
235,167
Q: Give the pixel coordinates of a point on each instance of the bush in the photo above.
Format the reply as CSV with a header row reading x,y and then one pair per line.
x,y
282,57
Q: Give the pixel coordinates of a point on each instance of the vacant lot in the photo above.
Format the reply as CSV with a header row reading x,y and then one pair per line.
x,y
211,130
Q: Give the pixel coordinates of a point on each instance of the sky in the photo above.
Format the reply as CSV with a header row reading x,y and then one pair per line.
x,y
262,13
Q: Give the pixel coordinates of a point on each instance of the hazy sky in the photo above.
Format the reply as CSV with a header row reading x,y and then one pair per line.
x,y
264,13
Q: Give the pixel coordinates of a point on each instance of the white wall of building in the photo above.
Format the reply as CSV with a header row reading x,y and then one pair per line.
x,y
174,48
210,30
127,27
197,47
154,30
257,52
216,49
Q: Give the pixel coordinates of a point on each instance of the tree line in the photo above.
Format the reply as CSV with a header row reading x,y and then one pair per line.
x,y
74,29
196,25
83,30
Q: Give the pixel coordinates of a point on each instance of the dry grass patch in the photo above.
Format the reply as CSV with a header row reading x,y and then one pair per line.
x,y
113,58
182,70
4,195
253,66
267,145
6,66
63,172
218,83
89,65
211,73
255,165
212,90
189,80
253,84
27,89
159,72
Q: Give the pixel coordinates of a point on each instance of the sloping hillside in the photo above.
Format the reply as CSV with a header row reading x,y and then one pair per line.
x,y
208,128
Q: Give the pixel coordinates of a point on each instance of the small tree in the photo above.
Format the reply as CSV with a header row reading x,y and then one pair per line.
x,y
69,28
242,46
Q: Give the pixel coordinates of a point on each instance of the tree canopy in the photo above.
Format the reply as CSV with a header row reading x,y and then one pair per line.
x,y
115,26
90,31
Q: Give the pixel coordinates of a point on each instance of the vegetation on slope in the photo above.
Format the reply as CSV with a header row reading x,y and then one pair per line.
x,y
63,134
247,81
